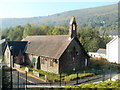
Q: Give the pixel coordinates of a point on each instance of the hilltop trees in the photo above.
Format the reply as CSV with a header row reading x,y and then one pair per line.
x,y
90,38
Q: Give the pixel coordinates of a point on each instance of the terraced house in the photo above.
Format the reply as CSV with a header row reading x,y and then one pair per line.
x,y
56,53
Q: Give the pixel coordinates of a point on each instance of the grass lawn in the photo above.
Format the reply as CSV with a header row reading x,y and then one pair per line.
x,y
65,77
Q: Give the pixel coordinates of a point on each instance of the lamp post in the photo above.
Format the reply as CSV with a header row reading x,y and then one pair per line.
x,y
26,81
76,75
110,70
60,79
18,80
103,76
77,78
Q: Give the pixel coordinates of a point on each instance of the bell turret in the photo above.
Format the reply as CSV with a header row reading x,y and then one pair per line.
x,y
73,27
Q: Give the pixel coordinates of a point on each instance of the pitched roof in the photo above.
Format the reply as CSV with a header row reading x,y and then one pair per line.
x,y
72,20
49,46
2,41
101,50
16,46
118,37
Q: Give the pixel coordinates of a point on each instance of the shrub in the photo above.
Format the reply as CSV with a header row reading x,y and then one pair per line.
x,y
67,87
75,86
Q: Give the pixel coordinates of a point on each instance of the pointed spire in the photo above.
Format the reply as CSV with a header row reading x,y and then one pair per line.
x,y
73,27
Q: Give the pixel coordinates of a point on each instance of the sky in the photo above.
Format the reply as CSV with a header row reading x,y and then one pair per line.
x,y
34,8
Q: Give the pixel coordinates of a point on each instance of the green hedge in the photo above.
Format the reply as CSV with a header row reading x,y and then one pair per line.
x,y
103,85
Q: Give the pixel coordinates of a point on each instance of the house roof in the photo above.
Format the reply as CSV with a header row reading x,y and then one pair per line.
x,y
2,45
110,33
16,46
118,37
101,50
49,46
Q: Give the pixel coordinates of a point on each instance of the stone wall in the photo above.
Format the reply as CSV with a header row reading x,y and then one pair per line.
x,y
50,65
73,58
46,64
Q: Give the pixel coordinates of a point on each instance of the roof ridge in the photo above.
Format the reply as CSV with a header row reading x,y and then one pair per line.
x,y
46,35
113,40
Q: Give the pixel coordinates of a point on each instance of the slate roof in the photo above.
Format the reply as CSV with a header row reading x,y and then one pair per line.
x,y
17,46
101,51
2,41
49,46
52,46
2,45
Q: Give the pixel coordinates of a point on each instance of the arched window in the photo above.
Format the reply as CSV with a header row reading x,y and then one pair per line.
x,y
86,62
74,27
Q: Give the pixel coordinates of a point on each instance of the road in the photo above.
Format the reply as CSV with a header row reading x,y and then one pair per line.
x,y
21,81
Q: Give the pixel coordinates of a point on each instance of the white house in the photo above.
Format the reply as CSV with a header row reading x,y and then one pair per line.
x,y
101,53
113,50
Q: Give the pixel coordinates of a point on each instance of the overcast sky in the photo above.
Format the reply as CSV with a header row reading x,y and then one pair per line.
x,y
33,8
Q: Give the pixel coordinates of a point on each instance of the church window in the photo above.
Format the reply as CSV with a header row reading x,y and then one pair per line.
x,y
86,61
74,51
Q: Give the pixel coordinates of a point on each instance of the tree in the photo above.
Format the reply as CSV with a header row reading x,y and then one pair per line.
x,y
56,31
15,33
91,39
27,30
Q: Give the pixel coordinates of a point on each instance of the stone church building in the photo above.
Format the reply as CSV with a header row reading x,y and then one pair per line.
x,y
56,53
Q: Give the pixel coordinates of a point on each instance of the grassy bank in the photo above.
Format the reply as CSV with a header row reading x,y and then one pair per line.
x,y
95,67
65,77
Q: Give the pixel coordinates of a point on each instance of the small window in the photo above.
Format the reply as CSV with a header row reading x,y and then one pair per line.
x,y
42,60
56,61
51,63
